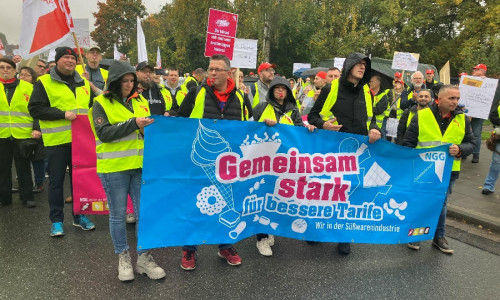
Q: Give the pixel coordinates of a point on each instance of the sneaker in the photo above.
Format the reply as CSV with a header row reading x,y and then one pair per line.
x,y
344,248
270,240
442,244
231,256
264,247
146,264
130,219
125,270
38,188
30,204
414,245
486,192
475,159
188,261
83,223
57,229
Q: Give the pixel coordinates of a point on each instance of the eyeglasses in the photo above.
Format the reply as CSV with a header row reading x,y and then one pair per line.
x,y
6,67
217,70
41,66
361,63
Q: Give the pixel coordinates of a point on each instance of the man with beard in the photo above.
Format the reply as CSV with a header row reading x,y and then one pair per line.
x,y
423,100
410,95
258,91
150,90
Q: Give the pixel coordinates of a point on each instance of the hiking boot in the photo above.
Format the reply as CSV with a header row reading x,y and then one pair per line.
x,y
83,223
188,261
414,245
146,264
29,204
475,158
57,229
130,219
125,270
264,247
344,248
231,256
442,244
486,192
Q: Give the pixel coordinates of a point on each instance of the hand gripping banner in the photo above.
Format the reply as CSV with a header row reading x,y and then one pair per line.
x,y
217,181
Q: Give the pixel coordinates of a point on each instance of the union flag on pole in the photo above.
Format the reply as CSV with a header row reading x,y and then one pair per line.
x,y
45,24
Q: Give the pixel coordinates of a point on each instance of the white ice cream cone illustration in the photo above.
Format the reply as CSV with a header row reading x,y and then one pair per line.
x,y
207,146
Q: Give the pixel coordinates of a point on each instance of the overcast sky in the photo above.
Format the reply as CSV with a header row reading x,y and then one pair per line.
x,y
11,14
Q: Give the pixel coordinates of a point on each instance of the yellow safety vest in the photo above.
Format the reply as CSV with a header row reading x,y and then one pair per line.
x,y
326,111
429,132
125,153
104,72
380,117
15,119
199,105
167,96
410,116
58,132
269,113
256,96
399,111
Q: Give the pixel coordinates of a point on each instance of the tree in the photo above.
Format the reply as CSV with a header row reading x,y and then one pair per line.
x,y
116,22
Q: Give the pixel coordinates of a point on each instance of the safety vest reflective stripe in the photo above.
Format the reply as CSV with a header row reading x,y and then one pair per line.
x,y
80,111
430,144
15,113
130,137
120,154
56,129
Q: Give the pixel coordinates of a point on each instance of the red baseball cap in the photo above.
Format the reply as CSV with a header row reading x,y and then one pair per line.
x,y
398,74
321,74
399,81
429,71
264,66
481,66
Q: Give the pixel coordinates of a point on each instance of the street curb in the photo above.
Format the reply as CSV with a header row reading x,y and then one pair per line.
x,y
474,217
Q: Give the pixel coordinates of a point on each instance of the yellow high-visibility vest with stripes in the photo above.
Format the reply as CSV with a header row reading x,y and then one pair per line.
x,y
269,113
58,132
199,105
15,119
125,153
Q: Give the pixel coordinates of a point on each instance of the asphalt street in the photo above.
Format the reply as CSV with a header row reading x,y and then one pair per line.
x,y
82,265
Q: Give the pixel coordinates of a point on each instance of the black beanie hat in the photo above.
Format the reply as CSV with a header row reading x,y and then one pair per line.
x,y
61,51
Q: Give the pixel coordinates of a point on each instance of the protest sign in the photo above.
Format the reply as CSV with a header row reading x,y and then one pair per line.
x,y
221,33
477,95
392,127
244,54
297,66
231,180
338,62
405,61
88,195
82,34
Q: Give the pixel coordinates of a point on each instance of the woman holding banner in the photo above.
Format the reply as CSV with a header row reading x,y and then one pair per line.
x,y
118,118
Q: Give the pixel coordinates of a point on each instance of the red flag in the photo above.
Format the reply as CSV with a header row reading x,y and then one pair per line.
x,y
45,24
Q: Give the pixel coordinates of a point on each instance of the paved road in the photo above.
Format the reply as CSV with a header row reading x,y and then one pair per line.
x,y
81,265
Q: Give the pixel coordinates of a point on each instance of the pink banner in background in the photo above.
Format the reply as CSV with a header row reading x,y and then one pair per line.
x,y
88,195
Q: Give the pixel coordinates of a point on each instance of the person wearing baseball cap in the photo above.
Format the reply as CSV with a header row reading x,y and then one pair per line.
x,y
96,76
477,124
479,70
429,79
259,89
312,95
57,98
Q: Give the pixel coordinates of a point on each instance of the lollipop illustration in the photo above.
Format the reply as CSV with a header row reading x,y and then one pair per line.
x,y
207,145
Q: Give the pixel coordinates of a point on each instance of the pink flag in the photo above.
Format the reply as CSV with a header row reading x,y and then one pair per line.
x,y
45,24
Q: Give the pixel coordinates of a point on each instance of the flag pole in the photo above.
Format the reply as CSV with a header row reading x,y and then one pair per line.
x,y
79,52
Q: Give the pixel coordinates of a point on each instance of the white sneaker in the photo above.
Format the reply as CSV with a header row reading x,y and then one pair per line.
x,y
125,270
270,240
264,248
130,219
146,264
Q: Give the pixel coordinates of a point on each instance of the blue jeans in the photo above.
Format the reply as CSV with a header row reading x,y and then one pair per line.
x,y
492,176
118,185
39,171
477,129
194,247
441,225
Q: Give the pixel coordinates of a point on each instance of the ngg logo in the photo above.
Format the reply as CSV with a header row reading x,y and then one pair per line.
x,y
434,156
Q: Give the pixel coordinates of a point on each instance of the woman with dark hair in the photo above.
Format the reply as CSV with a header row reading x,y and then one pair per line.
x,y
28,74
118,118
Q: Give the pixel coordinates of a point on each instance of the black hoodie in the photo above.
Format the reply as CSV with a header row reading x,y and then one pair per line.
x,y
288,105
350,107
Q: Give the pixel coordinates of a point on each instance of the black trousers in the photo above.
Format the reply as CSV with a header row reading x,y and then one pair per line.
x,y
9,149
59,158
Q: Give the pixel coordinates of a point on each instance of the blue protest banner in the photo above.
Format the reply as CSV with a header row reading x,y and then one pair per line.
x,y
217,181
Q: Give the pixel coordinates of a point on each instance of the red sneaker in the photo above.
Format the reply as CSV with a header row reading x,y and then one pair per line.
x,y
188,261
231,256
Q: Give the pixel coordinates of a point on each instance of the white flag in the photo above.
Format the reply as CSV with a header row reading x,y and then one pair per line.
x,y
52,55
158,58
116,54
142,53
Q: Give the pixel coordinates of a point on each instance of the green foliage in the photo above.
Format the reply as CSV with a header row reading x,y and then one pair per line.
x,y
465,32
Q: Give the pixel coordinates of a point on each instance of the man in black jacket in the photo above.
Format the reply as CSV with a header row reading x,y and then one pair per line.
x,y
347,106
